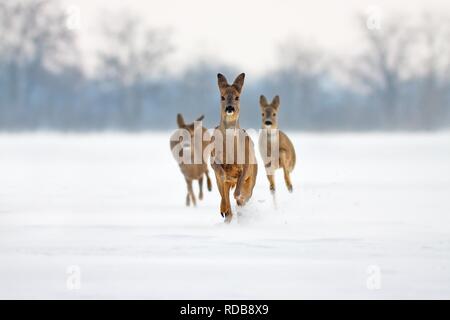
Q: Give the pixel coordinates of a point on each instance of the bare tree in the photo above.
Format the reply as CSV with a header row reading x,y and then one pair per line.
x,y
385,63
134,56
299,78
434,33
34,41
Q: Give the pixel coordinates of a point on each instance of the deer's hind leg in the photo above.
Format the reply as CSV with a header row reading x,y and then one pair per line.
x,y
200,186
208,181
284,163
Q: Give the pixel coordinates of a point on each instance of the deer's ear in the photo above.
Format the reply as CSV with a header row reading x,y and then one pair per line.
x,y
180,121
200,118
276,102
239,82
262,101
222,81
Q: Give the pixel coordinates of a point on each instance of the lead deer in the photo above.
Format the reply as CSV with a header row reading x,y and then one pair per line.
x,y
233,161
276,150
189,151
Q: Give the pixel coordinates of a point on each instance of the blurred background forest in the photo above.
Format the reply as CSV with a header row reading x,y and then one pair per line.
x,y
399,81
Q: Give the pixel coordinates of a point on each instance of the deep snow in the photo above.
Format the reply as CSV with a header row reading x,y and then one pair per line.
x,y
113,205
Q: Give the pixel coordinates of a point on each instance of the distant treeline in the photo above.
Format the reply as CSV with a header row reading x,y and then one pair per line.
x,y
398,78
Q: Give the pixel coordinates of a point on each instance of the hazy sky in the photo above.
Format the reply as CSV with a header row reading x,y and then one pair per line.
x,y
242,32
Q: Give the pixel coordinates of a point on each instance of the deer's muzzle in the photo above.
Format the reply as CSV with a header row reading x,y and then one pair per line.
x,y
229,110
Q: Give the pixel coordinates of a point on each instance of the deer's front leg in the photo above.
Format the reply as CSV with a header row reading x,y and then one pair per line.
x,y
224,190
225,205
190,193
271,179
218,170
270,173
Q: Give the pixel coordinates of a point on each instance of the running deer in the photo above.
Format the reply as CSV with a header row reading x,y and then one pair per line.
x,y
276,150
188,145
232,156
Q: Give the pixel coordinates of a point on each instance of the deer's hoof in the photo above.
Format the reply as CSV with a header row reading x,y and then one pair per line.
x,y
227,215
240,200
228,218
290,188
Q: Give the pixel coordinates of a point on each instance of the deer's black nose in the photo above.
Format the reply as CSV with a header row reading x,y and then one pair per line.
x,y
229,109
268,123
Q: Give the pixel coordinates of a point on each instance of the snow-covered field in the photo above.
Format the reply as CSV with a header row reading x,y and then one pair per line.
x,y
369,218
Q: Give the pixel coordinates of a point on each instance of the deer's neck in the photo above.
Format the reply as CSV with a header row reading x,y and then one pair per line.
x,y
227,124
272,128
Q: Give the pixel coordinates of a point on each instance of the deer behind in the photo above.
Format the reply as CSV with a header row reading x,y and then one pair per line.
x,y
191,149
276,150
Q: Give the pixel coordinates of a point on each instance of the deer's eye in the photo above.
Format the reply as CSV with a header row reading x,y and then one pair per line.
x,y
263,114
237,98
222,98
274,114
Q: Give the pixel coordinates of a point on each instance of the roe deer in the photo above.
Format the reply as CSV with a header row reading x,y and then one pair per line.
x,y
277,151
188,149
232,157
